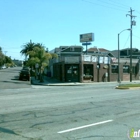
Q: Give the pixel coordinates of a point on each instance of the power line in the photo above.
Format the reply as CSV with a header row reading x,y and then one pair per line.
x,y
106,6
119,3
136,36
126,41
115,4
137,11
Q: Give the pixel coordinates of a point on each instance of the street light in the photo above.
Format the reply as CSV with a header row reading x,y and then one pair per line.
x,y
119,80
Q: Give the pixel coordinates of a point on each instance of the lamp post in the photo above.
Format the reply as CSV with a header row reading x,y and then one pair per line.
x,y
119,80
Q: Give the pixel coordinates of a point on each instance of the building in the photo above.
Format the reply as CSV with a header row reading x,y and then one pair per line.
x,y
94,65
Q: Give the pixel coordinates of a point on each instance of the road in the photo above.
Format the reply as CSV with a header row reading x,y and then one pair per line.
x,y
9,79
90,112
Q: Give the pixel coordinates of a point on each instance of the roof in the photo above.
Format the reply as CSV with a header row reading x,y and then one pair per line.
x,y
115,53
73,46
95,49
134,49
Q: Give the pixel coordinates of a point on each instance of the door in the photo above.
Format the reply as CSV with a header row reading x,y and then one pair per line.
x,y
72,73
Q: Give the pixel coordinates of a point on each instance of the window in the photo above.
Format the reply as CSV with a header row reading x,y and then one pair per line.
x,y
114,68
126,68
88,70
72,49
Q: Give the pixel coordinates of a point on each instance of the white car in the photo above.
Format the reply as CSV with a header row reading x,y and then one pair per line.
x,y
3,67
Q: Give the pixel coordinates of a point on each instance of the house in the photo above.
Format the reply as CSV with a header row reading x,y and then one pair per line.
x,y
125,53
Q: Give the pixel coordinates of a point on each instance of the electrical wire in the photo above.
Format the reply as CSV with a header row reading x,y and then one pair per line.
x,y
136,36
118,5
126,41
105,5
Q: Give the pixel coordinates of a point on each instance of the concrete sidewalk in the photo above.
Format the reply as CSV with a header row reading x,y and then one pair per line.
x,y
48,81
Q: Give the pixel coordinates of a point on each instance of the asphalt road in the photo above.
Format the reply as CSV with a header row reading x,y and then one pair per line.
x,y
9,79
90,112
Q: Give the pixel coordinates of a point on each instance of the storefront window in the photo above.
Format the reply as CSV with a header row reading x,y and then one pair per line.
x,y
114,68
88,71
126,68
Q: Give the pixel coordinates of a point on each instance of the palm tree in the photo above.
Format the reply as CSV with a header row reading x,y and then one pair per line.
x,y
27,47
39,45
38,55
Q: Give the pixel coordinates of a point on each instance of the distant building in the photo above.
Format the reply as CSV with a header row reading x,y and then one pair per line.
x,y
18,62
125,53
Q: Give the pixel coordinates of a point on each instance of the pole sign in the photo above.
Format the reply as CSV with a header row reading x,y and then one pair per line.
x,y
89,37
87,43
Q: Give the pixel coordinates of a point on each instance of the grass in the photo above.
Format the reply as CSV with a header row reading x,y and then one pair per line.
x,y
127,86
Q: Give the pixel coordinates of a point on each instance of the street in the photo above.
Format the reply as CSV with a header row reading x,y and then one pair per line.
x,y
9,79
89,112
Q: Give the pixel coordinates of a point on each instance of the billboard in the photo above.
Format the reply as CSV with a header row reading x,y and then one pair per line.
x,y
89,37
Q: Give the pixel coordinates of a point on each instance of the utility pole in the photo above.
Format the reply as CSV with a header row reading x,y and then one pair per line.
x,y
132,23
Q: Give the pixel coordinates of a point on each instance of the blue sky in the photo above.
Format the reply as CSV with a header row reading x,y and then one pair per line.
x,y
60,22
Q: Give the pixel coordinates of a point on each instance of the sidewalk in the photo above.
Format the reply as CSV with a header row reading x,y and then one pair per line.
x,y
48,81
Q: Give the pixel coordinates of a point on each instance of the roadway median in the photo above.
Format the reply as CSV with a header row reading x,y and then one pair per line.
x,y
128,86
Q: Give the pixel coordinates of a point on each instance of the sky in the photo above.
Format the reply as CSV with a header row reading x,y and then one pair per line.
x,y
57,23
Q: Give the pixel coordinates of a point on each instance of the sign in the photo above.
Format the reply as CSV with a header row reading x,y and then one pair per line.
x,y
87,43
114,59
87,58
94,59
89,37
101,59
106,60
72,59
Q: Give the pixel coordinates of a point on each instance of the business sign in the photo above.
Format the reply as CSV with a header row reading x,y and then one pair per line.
x,y
106,60
89,37
87,58
94,59
86,43
74,59
101,59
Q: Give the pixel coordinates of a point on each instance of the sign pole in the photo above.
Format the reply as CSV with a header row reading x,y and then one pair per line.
x,y
86,48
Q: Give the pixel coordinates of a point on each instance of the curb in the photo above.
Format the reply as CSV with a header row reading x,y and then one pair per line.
x,y
123,88
49,84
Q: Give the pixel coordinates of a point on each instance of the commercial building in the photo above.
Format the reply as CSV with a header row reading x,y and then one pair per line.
x,y
94,65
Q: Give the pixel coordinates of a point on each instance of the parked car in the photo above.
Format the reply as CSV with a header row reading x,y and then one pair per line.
x,y
26,68
3,67
24,75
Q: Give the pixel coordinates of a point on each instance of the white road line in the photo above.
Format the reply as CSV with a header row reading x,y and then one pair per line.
x,y
85,126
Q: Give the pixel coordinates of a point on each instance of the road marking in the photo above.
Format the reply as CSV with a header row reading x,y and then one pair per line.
x,y
85,126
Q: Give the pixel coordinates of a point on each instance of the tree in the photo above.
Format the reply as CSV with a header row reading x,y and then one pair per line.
x,y
2,58
54,55
38,55
27,47
0,49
